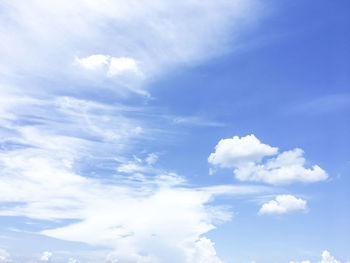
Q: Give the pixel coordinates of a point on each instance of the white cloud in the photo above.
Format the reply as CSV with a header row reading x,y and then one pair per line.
x,y
246,156
130,168
145,165
286,168
4,256
72,260
152,158
284,204
46,256
111,66
204,252
123,65
236,151
157,218
93,62
155,34
328,258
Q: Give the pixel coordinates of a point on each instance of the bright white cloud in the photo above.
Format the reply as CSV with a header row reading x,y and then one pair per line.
x,y
304,261
122,65
111,66
72,260
284,204
286,168
93,62
155,34
156,218
4,256
236,151
246,156
204,252
46,256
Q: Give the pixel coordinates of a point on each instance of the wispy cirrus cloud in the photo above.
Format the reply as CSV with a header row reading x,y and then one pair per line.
x,y
322,105
155,34
66,136
123,215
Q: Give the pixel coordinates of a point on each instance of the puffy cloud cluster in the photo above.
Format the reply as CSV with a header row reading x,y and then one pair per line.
x,y
252,162
237,151
204,252
284,204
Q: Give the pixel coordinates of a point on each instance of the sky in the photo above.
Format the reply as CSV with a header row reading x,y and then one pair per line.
x,y
164,131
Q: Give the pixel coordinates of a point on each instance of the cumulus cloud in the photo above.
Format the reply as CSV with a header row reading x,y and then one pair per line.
x,y
304,261
236,151
328,258
46,256
72,260
284,204
204,252
249,158
4,256
286,168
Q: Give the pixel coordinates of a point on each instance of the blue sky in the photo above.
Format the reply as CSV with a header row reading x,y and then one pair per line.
x,y
155,131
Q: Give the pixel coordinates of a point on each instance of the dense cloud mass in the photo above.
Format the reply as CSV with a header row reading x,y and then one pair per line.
x,y
251,162
284,204
155,214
